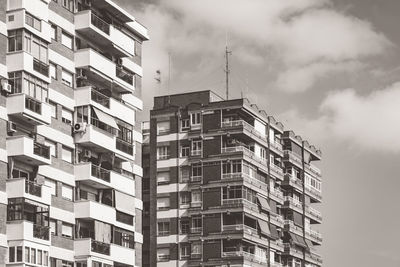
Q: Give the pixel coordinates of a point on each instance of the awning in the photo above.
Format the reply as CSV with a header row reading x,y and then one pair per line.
x,y
264,227
309,243
297,240
274,232
272,204
125,203
263,203
298,218
107,119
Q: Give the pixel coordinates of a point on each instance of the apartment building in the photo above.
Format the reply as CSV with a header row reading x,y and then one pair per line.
x,y
224,184
70,149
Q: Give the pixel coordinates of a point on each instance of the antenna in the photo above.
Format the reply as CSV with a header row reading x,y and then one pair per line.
x,y
227,70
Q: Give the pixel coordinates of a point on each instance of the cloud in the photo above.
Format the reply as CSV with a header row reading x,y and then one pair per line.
x,y
369,122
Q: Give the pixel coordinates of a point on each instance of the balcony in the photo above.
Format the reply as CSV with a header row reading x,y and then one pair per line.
x,y
102,70
85,209
25,230
101,178
19,187
276,146
245,127
27,150
315,236
314,258
290,180
196,179
292,250
290,226
277,195
195,153
313,193
23,61
239,228
31,111
98,136
196,230
246,152
314,214
313,170
246,255
293,158
277,220
276,171
238,203
293,203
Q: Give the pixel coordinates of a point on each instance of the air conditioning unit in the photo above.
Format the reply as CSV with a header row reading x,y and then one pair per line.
x,y
86,153
80,127
11,127
6,87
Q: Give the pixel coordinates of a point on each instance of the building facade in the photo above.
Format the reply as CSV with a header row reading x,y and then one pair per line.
x,y
225,185
70,149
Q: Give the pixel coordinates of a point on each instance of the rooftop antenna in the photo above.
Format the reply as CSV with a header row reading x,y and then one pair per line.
x,y
227,70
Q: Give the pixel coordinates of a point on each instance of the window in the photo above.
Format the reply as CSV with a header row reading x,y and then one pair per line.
x,y
52,185
185,150
66,229
11,18
67,154
53,109
196,249
45,258
53,262
196,147
184,227
66,40
163,177
185,251
66,116
67,264
53,147
39,257
163,228
163,203
196,197
53,71
185,125
197,170
195,118
14,41
54,32
234,166
124,218
66,77
124,238
66,191
33,255
163,254
184,198
11,254
33,22
19,254
68,4
53,227
196,224
163,127
20,174
184,174
232,192
163,152
27,254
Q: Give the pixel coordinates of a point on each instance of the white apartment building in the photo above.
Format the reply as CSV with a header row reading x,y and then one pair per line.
x,y
70,143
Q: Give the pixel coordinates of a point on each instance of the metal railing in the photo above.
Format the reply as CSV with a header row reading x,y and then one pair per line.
x,y
124,146
293,156
100,24
41,150
277,145
317,194
277,193
41,67
100,173
275,168
195,179
314,212
33,188
244,254
295,180
33,104
196,152
100,98
103,126
294,202
124,75
41,232
235,175
100,247
246,125
196,230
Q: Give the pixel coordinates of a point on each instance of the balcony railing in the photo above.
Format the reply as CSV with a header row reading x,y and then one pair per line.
x,y
238,202
246,125
277,145
277,218
292,226
245,150
317,194
231,176
101,125
196,230
100,24
41,232
314,234
101,173
295,180
41,67
33,104
239,227
275,168
124,146
245,254
293,156
33,188
314,212
313,169
196,179
196,152
124,75
277,193
41,150
100,247
294,202
100,98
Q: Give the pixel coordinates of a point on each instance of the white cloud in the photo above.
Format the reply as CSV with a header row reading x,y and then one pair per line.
x,y
369,122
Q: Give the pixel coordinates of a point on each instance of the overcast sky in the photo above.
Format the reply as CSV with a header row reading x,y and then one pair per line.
x,y
327,69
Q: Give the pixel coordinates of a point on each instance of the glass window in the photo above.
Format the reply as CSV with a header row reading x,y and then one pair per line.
x,y
54,32
66,230
163,228
53,147
66,40
33,255
197,170
53,71
32,21
11,254
163,152
14,40
19,254
163,254
185,124
66,77
163,177
184,198
67,154
66,191
195,118
45,258
51,184
27,254
163,203
68,4
196,196
185,151
66,116
53,109
39,257
184,227
185,250
53,227
163,127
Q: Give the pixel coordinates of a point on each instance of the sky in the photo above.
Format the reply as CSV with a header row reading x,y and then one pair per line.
x,y
328,69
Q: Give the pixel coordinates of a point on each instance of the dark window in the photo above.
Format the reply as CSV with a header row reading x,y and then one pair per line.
x,y
124,218
11,254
